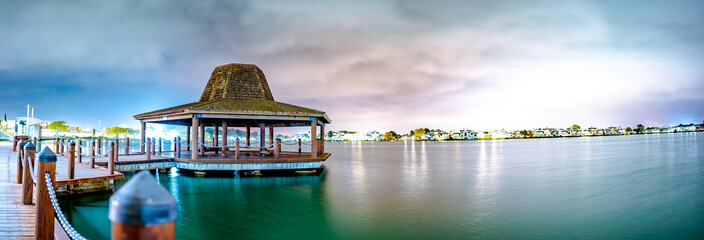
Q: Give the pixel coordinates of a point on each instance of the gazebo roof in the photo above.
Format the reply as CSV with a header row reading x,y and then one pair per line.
x,y
236,89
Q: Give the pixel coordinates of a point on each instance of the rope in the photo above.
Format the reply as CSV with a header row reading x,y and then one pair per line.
x,y
70,231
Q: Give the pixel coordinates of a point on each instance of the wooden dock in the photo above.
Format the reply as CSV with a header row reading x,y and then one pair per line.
x,y
16,219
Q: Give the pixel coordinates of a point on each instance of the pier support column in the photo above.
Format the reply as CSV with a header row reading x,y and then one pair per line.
x,y
271,134
143,136
79,148
313,139
188,138
249,130
201,144
322,139
71,160
224,138
194,138
262,136
215,137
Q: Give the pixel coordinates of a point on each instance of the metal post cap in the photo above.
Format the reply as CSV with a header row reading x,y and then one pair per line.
x,y
22,143
46,155
72,143
112,143
30,146
142,202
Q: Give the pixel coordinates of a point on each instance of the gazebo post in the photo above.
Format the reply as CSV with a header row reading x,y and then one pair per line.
x,y
313,139
271,134
143,135
322,138
215,137
248,134
201,146
188,138
262,136
194,138
224,138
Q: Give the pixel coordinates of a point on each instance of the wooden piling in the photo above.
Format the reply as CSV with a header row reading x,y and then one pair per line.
x,y
153,146
277,148
79,149
44,210
149,148
27,182
188,139
248,134
14,143
34,141
299,145
161,143
56,145
143,139
178,147
127,146
111,158
237,148
142,209
71,159
201,146
215,138
20,154
92,155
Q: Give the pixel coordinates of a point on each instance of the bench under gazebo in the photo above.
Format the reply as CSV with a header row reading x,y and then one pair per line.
x,y
238,96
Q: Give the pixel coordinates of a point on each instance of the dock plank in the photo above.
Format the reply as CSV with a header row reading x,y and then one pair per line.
x,y
16,219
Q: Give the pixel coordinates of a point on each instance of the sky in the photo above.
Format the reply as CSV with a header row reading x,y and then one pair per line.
x,y
370,65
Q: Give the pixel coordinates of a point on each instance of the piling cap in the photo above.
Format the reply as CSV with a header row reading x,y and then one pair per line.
x,y
112,143
22,142
72,143
46,155
142,202
30,146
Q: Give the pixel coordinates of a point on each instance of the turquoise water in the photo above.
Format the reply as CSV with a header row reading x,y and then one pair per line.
x,y
623,187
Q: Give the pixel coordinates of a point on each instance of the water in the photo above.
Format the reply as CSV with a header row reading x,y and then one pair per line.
x,y
622,187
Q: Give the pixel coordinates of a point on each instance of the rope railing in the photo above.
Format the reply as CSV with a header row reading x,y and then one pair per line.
x,y
70,231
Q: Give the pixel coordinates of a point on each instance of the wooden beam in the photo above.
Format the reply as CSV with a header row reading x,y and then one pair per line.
x,y
313,139
224,138
142,136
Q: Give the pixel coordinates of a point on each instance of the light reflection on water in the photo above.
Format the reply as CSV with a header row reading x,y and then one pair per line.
x,y
648,186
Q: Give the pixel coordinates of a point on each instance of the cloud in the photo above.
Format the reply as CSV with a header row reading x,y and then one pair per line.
x,y
369,64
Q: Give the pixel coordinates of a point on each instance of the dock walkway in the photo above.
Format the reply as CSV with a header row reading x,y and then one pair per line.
x,y
16,219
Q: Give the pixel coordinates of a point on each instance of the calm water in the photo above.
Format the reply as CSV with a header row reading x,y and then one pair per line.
x,y
626,187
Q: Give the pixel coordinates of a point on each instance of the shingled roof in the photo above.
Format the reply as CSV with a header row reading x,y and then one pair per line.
x,y
237,88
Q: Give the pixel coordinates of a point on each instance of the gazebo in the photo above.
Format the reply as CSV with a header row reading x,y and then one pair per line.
x,y
237,95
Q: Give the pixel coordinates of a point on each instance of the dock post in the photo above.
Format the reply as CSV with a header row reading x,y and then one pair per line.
x,y
237,148
142,209
127,146
34,141
149,148
262,137
299,145
271,134
98,146
111,158
71,159
161,143
20,154
116,150
56,145
178,147
14,143
92,148
79,148
277,148
44,209
321,149
27,182
154,146
61,146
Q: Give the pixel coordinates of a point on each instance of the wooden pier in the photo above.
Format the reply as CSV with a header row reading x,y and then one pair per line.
x,y
16,219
